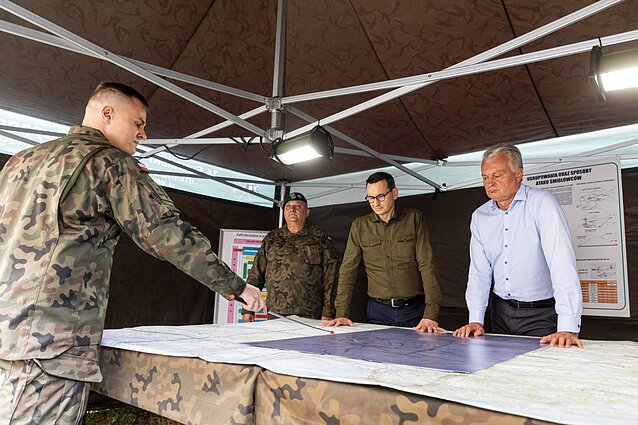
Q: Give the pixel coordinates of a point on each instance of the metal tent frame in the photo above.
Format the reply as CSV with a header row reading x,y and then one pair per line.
x,y
277,103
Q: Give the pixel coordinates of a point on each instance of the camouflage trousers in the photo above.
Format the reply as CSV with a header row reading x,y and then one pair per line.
x,y
30,396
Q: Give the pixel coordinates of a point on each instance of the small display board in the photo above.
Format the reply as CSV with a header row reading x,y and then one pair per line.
x,y
237,248
590,194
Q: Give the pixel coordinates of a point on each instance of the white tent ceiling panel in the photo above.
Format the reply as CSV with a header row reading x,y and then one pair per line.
x,y
462,171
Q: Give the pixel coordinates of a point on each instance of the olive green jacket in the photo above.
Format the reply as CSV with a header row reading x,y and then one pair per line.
x,y
398,261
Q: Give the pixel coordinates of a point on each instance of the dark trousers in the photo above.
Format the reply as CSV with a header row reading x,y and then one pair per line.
x,y
507,319
408,316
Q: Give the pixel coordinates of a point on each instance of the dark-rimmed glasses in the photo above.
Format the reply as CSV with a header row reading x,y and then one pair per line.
x,y
380,197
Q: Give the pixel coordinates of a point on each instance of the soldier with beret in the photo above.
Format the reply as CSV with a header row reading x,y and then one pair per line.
x,y
297,264
63,206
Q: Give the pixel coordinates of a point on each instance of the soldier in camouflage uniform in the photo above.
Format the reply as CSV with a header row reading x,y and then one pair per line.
x,y
63,206
298,265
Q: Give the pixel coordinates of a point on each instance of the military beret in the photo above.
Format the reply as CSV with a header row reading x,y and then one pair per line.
x,y
294,196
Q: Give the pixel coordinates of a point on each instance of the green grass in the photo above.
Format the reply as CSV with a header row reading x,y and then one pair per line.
x,y
125,415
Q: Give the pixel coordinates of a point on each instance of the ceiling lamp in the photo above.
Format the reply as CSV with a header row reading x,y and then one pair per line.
x,y
315,144
613,71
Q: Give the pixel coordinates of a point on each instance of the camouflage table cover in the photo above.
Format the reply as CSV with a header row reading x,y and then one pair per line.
x,y
289,400
193,391
187,390
598,384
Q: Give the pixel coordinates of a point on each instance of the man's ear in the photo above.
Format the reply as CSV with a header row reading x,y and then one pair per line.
x,y
106,114
395,193
307,212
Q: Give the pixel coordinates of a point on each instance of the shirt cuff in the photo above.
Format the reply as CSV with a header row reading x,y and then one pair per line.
x,y
568,323
328,312
236,287
342,312
477,316
432,312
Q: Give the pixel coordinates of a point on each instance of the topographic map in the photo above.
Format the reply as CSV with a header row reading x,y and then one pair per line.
x,y
594,385
408,347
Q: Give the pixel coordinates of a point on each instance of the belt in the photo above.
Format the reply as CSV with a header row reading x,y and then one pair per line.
x,y
549,302
398,302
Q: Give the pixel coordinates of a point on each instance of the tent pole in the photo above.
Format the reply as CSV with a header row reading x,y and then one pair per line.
x,y
52,40
55,41
97,51
328,192
367,149
357,152
217,179
432,77
280,49
18,138
282,195
274,104
482,57
31,131
584,156
186,141
209,130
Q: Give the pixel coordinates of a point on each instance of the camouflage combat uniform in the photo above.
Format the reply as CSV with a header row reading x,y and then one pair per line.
x,y
299,270
63,206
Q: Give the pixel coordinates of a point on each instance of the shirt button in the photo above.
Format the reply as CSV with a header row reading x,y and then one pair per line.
x,y
505,246
506,229
506,262
507,278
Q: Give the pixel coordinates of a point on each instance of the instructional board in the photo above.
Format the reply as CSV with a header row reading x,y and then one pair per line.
x,y
590,194
237,248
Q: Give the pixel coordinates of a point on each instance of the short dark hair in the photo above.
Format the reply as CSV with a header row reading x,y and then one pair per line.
x,y
380,175
113,87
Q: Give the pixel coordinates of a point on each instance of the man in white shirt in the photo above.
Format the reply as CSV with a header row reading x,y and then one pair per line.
x,y
521,243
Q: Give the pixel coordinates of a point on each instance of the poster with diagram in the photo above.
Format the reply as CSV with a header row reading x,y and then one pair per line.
x,y
237,248
591,195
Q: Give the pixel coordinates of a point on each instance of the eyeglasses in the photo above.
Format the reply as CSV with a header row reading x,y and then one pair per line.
x,y
379,198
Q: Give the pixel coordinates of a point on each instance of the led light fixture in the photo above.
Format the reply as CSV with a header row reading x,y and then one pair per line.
x,y
315,144
613,71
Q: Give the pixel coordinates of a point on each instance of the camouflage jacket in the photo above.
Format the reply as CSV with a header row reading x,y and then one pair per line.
x,y
63,206
299,270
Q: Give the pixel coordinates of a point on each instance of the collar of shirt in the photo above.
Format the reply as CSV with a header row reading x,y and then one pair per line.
x,y
396,216
287,233
85,131
521,196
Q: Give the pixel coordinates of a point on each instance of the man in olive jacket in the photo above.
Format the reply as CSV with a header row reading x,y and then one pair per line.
x,y
395,249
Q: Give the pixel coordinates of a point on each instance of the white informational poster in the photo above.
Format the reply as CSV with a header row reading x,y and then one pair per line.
x,y
591,195
237,248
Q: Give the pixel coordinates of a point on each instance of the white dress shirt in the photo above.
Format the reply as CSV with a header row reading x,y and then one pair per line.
x,y
527,251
